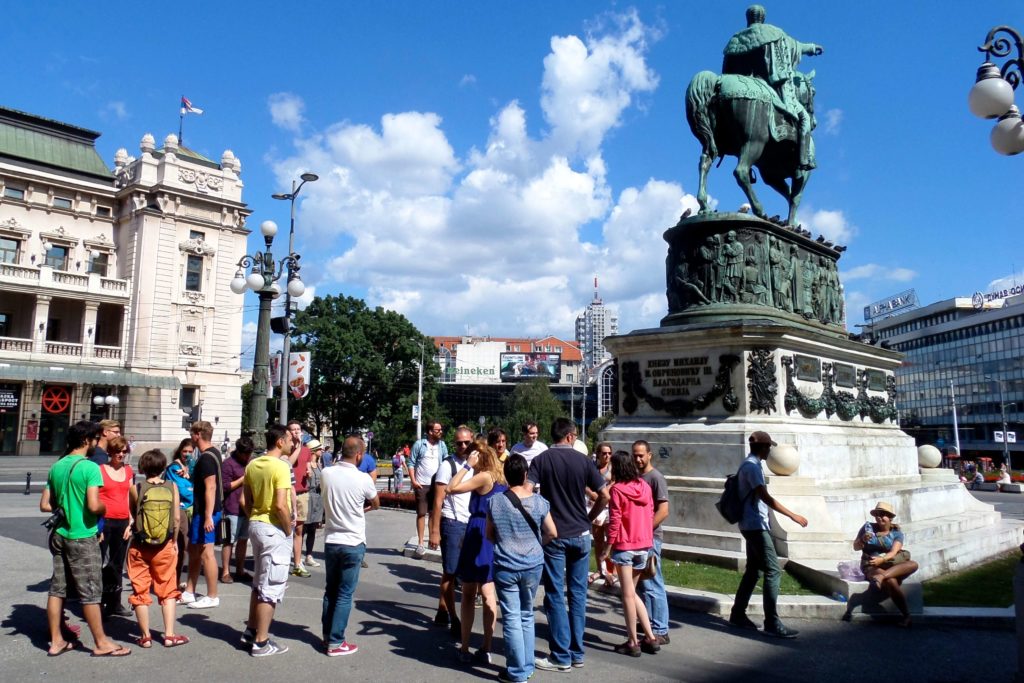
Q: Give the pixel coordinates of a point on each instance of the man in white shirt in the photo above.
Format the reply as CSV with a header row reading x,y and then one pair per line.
x,y
347,494
425,456
448,527
530,447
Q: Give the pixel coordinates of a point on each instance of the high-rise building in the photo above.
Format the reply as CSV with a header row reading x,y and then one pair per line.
x,y
114,296
592,326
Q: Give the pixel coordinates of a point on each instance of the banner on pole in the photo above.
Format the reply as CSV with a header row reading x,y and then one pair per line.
x,y
298,374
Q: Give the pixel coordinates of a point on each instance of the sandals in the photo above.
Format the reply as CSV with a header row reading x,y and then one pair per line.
x,y
68,647
145,642
116,652
175,641
592,577
226,578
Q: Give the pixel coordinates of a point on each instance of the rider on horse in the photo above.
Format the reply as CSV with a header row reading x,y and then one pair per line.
x,y
766,52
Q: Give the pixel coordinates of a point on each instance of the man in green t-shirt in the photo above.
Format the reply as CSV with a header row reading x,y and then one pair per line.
x,y
73,484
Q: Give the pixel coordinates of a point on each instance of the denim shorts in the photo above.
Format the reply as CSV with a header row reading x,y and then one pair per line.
x,y
630,558
452,533
236,528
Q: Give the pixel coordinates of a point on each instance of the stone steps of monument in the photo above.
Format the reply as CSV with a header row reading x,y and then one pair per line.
x,y
729,559
926,530
704,538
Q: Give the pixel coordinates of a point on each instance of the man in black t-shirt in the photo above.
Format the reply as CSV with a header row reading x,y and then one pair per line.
x,y
204,532
564,475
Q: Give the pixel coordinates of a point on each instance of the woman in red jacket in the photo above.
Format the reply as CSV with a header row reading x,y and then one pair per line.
x,y
630,539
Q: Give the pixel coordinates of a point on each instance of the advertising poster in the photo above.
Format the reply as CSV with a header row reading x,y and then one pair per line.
x,y
299,373
519,367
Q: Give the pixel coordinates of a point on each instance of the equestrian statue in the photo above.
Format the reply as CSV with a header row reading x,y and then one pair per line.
x,y
760,110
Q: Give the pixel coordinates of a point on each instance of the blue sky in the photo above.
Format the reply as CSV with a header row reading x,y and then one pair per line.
x,y
481,162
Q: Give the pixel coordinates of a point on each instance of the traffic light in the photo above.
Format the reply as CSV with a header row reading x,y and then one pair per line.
x,y
279,325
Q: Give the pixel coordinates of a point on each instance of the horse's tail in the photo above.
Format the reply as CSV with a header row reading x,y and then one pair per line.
x,y
698,109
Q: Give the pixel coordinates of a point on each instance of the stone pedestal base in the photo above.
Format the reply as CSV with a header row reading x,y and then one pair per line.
x,y
697,392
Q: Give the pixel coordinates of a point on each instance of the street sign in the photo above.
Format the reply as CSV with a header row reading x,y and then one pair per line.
x,y
997,437
1011,437
415,412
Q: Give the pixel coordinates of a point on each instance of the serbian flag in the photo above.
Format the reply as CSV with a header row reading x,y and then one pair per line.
x,y
187,108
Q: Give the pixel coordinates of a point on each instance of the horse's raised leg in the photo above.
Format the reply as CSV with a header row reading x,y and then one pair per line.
x,y
702,188
749,153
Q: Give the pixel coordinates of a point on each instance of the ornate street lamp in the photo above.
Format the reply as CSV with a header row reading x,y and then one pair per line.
x,y
286,346
992,94
262,279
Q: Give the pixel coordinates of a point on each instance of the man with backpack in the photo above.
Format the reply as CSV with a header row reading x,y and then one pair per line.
x,y
426,455
756,529
448,527
205,531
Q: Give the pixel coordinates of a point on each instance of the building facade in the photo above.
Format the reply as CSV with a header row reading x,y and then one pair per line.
x,y
114,296
967,351
592,326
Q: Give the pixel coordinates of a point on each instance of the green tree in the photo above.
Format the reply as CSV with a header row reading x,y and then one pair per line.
x,y
595,428
364,371
532,402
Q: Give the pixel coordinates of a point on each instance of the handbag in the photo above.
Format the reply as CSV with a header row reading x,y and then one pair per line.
x,y
57,518
650,570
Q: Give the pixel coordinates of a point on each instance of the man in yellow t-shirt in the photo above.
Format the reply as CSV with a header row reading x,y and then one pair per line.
x,y
268,505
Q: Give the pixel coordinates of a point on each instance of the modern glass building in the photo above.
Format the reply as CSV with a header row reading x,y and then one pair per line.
x,y
967,352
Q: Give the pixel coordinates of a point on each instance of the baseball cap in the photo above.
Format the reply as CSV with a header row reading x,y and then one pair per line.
x,y
761,437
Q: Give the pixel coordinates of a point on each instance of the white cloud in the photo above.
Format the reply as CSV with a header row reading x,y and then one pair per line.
x,y
466,80
491,243
874,271
833,121
115,109
855,303
286,111
1008,283
832,224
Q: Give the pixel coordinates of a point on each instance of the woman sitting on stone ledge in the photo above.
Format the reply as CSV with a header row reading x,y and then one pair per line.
x,y
883,560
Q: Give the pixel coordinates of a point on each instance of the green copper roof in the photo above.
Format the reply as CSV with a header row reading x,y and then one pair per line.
x,y
50,143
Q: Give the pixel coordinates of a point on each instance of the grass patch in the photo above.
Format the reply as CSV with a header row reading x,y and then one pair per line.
x,y
986,585
706,577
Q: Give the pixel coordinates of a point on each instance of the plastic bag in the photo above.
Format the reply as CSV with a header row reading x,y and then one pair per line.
x,y
849,570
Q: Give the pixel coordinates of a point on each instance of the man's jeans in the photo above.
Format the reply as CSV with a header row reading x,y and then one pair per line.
x,y
342,563
566,561
516,590
761,557
655,599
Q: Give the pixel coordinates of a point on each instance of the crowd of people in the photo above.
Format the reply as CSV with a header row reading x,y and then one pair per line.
x,y
505,521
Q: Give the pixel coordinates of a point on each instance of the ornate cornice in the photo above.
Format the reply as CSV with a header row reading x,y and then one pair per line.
x,y
199,247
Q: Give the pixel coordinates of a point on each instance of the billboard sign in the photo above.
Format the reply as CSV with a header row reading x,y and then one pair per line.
x,y
519,367
904,301
299,373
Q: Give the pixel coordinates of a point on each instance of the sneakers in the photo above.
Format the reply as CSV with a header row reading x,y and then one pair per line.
x,y
441,618
300,571
506,677
545,664
248,636
627,649
742,621
311,562
186,598
780,631
578,664
663,638
205,602
482,657
345,648
267,649
464,657
419,552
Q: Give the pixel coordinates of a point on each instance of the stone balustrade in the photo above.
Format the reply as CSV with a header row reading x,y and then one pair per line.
x,y
63,348
46,278
12,344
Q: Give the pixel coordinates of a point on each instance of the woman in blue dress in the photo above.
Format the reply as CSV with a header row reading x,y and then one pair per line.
x,y
883,560
482,476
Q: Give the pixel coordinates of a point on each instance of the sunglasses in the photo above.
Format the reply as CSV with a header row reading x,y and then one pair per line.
x,y
463,443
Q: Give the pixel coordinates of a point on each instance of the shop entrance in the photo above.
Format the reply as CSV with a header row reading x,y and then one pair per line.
x,y
56,415
10,407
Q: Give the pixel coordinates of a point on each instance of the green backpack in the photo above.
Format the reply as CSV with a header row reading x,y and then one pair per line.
x,y
154,522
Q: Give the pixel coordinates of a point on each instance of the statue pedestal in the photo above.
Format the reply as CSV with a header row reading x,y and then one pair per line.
x,y
696,392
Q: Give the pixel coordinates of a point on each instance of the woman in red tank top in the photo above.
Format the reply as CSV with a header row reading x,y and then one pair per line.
x,y
118,478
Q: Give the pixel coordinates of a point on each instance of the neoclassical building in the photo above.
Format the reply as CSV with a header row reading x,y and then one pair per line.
x,y
114,296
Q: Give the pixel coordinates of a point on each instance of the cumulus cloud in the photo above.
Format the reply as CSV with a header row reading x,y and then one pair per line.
x,y
855,303
874,271
467,80
832,224
115,110
493,242
1009,283
833,121
286,111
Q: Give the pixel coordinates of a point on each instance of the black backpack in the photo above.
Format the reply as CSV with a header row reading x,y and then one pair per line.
x,y
433,480
730,505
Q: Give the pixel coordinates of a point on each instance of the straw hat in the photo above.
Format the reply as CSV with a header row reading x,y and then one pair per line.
x,y
313,445
883,508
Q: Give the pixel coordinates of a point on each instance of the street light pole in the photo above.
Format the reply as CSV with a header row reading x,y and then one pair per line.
x,y
956,427
262,278
287,344
992,94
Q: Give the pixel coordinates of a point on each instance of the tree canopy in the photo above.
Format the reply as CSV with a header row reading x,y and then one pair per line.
x,y
531,402
364,370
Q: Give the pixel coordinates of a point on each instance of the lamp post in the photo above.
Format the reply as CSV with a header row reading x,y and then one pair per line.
x,y
109,401
287,345
992,94
1002,416
262,279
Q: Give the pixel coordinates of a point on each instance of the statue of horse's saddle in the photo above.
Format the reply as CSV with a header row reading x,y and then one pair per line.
x,y
783,125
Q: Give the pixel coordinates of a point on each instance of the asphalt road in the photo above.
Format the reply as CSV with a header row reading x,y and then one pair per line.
x,y
395,602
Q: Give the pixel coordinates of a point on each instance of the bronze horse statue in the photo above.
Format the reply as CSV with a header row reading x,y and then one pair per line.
x,y
734,115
